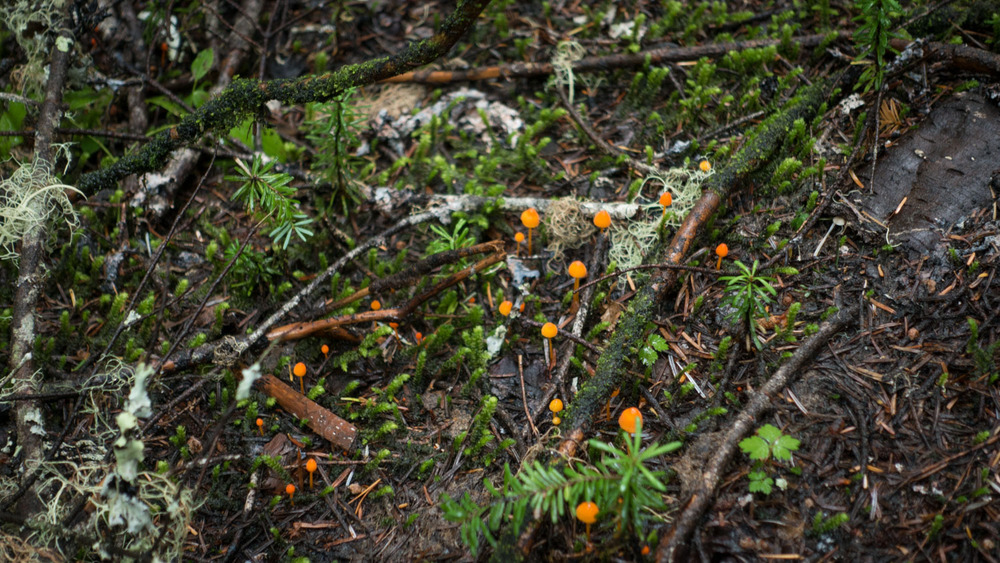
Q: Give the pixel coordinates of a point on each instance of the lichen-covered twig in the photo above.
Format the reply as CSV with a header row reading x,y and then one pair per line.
x,y
30,280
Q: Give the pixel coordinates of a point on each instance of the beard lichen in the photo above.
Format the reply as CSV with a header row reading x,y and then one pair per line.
x,y
566,227
30,197
630,242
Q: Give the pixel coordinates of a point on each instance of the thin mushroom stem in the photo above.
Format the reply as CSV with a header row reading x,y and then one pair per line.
x,y
837,222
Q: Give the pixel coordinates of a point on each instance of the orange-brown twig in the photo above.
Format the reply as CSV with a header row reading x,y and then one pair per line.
x,y
299,330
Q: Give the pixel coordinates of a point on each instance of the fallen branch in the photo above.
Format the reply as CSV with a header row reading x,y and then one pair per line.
x,y
673,546
331,427
766,139
610,62
296,331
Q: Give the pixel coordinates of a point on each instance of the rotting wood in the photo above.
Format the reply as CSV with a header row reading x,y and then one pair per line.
x,y
331,427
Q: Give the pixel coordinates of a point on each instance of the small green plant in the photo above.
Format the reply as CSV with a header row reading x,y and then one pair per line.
x,y
334,132
983,356
823,525
650,352
749,293
269,195
458,238
621,484
872,39
767,443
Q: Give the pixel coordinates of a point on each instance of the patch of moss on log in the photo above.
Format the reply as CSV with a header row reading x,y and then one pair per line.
x,y
613,363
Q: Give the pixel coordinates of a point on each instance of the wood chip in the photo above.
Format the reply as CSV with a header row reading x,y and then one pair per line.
x,y
885,308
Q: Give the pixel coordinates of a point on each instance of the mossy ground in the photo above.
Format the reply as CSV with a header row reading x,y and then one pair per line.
x,y
874,415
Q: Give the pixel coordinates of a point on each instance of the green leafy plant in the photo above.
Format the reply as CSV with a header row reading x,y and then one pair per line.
x,y
872,39
620,483
334,132
767,443
459,237
654,345
267,194
823,525
749,293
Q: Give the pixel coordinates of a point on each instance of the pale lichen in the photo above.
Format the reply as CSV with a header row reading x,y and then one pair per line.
x,y
31,197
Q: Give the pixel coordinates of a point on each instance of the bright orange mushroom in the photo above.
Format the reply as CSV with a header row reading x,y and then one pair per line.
x,y
311,468
629,419
290,489
549,331
556,405
602,220
518,238
376,305
666,200
578,271
260,425
586,512
722,250
529,218
300,372
326,351
394,326
705,165
505,308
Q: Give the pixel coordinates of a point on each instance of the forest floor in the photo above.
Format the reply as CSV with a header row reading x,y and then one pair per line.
x,y
870,272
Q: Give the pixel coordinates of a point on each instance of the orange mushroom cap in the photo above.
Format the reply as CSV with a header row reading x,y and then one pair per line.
x,y
556,405
376,305
505,308
705,165
666,199
556,421
325,349
529,218
311,465
290,489
586,512
602,220
577,270
722,250
628,419
299,370
549,330
519,236
260,422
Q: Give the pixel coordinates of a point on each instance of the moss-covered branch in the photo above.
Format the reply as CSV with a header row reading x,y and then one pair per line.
x,y
246,98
